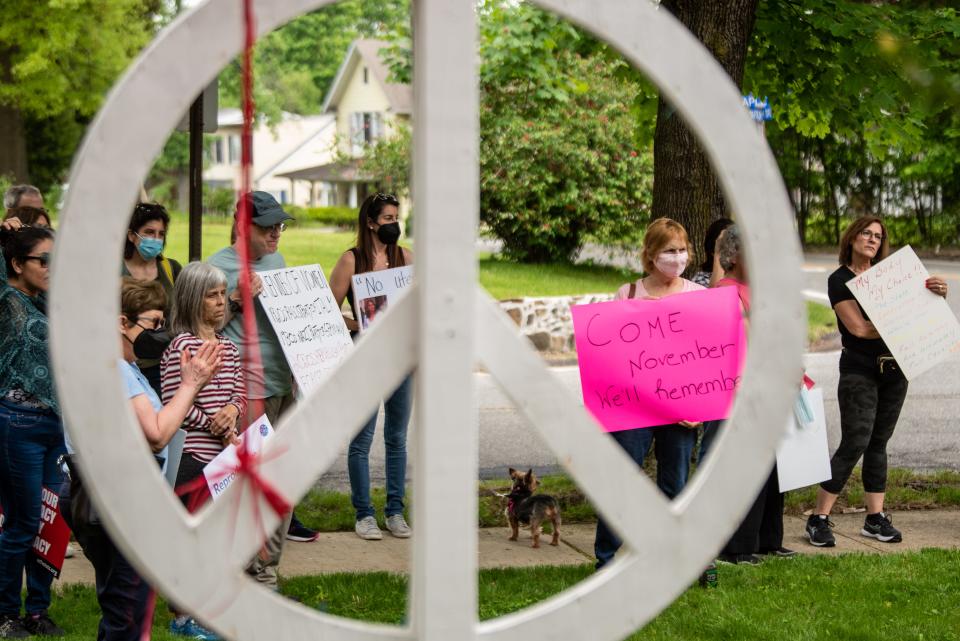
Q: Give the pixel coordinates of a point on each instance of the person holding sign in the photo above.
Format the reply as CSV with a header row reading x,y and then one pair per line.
x,y
870,392
31,432
121,593
378,230
666,251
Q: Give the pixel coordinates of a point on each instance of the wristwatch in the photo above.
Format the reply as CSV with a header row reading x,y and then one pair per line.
x,y
235,307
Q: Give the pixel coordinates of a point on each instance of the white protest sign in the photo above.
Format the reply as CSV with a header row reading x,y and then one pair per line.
x,y
221,471
916,324
803,456
307,320
374,292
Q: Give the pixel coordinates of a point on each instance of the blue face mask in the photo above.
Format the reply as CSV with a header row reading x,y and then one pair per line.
x,y
149,247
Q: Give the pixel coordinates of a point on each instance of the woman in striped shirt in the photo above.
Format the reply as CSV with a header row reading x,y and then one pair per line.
x,y
197,315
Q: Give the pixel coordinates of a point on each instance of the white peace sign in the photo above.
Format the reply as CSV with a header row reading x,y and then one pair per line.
x,y
442,327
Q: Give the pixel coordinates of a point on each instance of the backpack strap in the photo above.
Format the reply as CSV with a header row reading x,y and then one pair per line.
x,y
167,268
633,290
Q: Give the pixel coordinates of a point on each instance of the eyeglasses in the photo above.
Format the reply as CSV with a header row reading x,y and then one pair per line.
x,y
278,228
866,234
43,259
157,323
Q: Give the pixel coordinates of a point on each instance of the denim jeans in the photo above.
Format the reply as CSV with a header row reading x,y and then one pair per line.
x,y
31,441
396,417
673,445
710,430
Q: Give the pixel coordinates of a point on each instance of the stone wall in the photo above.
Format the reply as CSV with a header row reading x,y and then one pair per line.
x,y
546,321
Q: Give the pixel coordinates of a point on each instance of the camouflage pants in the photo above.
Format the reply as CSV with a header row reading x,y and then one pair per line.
x,y
869,408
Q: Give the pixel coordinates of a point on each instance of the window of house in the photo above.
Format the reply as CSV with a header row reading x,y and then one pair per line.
x,y
365,128
216,151
234,149
366,76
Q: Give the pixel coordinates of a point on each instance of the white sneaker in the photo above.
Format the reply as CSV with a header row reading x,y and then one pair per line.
x,y
398,526
366,528
71,551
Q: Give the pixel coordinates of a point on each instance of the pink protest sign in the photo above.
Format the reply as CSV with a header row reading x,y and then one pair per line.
x,y
655,362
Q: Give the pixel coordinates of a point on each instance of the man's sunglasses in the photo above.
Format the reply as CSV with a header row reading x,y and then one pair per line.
x,y
43,259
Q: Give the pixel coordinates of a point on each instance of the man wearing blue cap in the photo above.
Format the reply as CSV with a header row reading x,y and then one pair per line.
x,y
274,386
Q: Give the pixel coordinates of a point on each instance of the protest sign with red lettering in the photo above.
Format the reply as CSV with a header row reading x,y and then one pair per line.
x,y
656,362
50,546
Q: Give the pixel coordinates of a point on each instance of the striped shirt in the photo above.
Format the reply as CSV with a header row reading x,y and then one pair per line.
x,y
228,386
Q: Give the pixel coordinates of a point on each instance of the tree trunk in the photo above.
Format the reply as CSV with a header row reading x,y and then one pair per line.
x,y
13,145
685,187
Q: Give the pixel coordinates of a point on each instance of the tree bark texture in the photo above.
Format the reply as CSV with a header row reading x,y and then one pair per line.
x,y
13,145
685,187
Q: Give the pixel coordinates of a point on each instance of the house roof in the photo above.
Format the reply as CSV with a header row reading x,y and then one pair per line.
x,y
335,172
367,51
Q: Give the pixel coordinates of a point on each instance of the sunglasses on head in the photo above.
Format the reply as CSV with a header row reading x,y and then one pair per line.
x,y
43,259
386,198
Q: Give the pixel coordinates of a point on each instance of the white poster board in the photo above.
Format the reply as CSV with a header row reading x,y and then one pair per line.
x,y
307,320
917,325
375,292
803,456
220,472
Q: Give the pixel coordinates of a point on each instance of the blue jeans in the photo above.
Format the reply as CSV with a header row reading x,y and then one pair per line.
x,y
397,416
710,429
31,441
673,446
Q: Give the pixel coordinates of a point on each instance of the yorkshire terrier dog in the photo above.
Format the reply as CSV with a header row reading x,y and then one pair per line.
x,y
523,507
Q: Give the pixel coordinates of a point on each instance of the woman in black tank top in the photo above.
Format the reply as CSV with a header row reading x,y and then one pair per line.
x,y
378,230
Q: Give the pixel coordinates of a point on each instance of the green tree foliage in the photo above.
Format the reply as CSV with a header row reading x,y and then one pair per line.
x,y
562,155
57,60
295,65
867,110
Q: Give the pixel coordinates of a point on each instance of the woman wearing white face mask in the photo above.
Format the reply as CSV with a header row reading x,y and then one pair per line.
x,y
666,252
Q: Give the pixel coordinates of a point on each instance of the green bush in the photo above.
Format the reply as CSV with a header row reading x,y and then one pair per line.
x,y
334,216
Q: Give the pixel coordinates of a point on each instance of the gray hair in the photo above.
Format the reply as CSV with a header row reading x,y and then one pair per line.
x,y
728,248
193,283
13,195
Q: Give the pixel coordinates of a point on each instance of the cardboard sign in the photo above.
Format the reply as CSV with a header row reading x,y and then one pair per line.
x,y
374,292
307,320
656,362
803,456
917,325
220,473
50,546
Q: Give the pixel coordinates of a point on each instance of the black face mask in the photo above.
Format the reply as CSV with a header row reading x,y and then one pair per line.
x,y
151,343
389,234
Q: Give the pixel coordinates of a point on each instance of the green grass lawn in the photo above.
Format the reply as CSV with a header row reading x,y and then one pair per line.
x,y
906,597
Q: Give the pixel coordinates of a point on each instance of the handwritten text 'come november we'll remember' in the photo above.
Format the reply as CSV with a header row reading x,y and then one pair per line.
x,y
656,362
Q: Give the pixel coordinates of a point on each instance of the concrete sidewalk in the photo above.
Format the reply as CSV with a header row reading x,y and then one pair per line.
x,y
345,552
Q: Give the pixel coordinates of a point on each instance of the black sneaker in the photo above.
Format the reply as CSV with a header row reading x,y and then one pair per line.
x,y
12,628
820,532
781,552
300,532
880,527
42,625
739,559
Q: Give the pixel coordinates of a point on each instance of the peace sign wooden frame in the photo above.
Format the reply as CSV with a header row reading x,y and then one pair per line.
x,y
442,328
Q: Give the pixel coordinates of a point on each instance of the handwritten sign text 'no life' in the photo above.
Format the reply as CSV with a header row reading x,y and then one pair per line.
x,y
375,292
916,324
307,320
656,362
